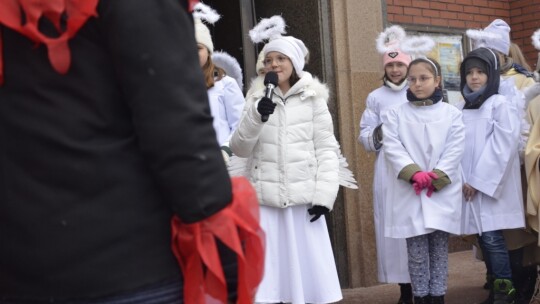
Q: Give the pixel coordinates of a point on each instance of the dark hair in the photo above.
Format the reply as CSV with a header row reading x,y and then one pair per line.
x,y
294,78
211,72
435,70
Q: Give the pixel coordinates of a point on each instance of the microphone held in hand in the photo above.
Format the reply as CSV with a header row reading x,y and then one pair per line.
x,y
270,81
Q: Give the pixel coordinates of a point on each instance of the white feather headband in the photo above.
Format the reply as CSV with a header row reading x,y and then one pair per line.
x,y
268,29
417,46
536,39
390,39
230,65
205,13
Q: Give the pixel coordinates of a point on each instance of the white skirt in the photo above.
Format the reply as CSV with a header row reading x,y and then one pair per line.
x,y
299,265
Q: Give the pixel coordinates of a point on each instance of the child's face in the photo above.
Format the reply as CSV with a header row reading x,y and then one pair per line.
x,y
279,63
203,54
476,79
422,80
395,71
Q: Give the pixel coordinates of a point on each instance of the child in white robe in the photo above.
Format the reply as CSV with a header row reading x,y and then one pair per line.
x,y
492,184
423,144
391,253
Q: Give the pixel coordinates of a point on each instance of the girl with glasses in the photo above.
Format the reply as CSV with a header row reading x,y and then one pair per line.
x,y
423,144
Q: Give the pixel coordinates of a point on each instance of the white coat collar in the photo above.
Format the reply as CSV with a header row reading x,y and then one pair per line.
x,y
308,86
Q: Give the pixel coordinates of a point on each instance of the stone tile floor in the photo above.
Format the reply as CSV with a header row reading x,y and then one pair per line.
x,y
466,277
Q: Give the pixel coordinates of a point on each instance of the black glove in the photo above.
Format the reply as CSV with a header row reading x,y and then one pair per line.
x,y
317,211
266,106
377,137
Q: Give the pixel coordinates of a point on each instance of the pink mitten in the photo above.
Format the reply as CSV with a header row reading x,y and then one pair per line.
x,y
421,178
433,175
430,190
417,188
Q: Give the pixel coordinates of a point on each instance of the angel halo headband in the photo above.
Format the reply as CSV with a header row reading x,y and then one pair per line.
x,y
419,46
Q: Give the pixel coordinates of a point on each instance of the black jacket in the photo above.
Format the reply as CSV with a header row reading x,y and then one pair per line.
x,y
94,163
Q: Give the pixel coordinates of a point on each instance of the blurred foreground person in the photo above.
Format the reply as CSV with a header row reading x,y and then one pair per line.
x,y
104,140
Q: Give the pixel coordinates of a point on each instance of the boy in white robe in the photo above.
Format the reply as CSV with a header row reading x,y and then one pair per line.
x,y
492,184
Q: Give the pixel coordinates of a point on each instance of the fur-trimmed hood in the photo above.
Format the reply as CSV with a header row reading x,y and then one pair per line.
x,y
308,85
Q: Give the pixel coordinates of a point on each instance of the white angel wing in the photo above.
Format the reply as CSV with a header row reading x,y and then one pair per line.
x,y
230,65
346,177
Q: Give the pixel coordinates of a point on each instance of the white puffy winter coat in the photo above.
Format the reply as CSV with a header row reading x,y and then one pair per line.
x,y
292,158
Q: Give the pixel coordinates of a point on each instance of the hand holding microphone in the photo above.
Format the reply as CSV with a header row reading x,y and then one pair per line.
x,y
266,106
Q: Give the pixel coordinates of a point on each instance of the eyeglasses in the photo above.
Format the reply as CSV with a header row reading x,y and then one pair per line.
x,y
421,79
278,59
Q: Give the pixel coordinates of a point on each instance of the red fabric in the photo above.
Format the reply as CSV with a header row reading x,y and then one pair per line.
x,y
237,226
77,12
191,4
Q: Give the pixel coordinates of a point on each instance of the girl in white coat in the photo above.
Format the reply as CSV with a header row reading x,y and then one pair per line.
x,y
292,162
224,94
391,253
423,143
492,183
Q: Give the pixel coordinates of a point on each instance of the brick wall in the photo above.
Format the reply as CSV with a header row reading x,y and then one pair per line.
x,y
463,14
525,19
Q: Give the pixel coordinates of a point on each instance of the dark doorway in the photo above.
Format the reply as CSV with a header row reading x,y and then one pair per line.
x,y
230,33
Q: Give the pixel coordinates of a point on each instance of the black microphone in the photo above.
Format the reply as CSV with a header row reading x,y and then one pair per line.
x,y
270,81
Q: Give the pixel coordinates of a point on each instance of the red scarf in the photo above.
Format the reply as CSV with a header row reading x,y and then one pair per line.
x,y
77,12
236,226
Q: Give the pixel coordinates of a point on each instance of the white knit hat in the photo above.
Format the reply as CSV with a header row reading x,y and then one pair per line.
x,y
291,47
202,35
272,29
495,36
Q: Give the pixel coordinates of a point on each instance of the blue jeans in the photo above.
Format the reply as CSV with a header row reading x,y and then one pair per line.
x,y
495,254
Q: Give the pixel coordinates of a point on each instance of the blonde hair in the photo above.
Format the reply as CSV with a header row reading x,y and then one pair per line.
x,y
516,54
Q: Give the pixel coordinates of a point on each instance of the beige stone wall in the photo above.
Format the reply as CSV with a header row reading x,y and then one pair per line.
x,y
355,25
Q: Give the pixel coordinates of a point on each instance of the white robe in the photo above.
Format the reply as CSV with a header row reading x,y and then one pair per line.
x,y
431,137
491,165
392,258
226,105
